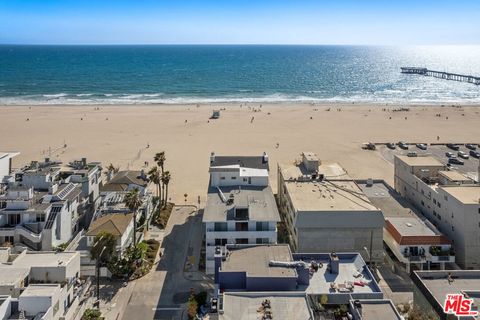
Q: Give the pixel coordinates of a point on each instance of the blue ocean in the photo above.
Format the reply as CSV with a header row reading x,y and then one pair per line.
x,y
204,74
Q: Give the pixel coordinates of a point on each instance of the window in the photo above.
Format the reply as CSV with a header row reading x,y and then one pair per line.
x,y
241,241
234,178
453,228
434,213
220,226
423,203
262,226
446,198
222,178
244,179
220,242
434,201
40,217
241,226
439,204
262,241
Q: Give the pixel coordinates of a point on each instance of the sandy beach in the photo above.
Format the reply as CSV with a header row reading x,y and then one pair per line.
x,y
121,134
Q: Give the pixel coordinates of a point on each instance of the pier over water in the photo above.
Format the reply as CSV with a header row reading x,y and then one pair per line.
x,y
441,75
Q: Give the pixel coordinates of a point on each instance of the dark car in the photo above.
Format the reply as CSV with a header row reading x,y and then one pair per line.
x,y
455,161
453,146
391,145
475,154
403,145
471,146
422,146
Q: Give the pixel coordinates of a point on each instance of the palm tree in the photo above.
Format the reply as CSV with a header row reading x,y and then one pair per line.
x,y
133,201
154,176
166,180
160,160
111,169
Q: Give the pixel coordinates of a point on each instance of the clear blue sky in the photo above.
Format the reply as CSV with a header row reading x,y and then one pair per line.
x,y
239,22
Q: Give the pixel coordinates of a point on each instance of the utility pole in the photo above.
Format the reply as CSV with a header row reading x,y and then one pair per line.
x,y
98,276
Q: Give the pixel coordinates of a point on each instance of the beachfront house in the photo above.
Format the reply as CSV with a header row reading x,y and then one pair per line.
x,y
46,205
447,198
240,206
324,210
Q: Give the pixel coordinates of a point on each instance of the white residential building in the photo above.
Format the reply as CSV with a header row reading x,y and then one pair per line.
x,y
448,199
6,165
46,205
240,206
324,210
43,285
118,224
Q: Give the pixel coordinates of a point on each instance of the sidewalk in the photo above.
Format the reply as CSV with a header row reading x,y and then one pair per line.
x,y
115,308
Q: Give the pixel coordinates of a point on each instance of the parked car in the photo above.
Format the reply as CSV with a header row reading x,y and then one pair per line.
x,y
368,146
455,161
475,154
471,146
451,167
453,146
463,155
450,155
422,146
412,154
403,145
391,145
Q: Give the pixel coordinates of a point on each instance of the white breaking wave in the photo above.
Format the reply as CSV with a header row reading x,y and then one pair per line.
x,y
381,97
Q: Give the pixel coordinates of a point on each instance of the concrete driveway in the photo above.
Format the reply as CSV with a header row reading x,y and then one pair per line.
x,y
162,293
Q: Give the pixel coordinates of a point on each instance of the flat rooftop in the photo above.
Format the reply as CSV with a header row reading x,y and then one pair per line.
x,y
238,306
254,162
437,284
411,226
464,194
259,201
255,261
42,259
337,192
388,200
11,276
379,309
352,269
454,176
40,290
427,161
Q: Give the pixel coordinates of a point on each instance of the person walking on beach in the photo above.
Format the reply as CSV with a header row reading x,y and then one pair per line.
x,y
251,121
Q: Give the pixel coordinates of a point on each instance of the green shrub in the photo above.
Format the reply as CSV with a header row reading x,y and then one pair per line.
x,y
92,314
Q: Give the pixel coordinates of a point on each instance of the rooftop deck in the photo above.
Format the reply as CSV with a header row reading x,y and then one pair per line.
x,y
255,261
238,306
259,201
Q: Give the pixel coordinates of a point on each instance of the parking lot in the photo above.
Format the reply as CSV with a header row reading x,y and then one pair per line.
x,y
470,166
